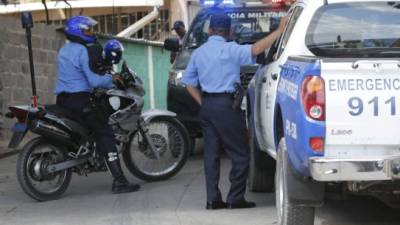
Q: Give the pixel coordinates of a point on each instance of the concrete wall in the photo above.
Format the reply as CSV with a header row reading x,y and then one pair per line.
x,y
15,82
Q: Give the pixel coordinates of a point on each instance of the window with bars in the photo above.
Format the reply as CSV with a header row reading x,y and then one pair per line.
x,y
157,30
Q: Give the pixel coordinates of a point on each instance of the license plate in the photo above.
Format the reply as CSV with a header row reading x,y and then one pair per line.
x,y
19,131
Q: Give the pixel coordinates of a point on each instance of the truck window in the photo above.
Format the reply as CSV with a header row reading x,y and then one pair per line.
x,y
285,38
247,26
361,30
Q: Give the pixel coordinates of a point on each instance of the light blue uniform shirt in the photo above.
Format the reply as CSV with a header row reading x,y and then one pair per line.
x,y
73,71
215,65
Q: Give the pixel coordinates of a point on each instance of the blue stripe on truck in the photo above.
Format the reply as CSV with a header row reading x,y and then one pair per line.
x,y
298,127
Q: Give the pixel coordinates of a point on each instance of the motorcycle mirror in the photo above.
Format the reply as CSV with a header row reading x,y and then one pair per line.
x,y
124,67
172,44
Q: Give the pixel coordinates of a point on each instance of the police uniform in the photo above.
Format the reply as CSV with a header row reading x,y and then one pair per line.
x,y
215,68
75,82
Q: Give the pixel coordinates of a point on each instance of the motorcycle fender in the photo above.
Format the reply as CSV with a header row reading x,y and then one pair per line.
x,y
148,115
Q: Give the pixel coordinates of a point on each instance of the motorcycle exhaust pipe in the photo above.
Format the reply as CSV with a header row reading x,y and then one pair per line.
x,y
52,132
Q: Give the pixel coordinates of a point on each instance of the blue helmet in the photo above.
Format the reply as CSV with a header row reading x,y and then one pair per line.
x,y
76,25
113,50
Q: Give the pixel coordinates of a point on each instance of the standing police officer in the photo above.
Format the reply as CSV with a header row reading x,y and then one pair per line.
x,y
180,30
215,67
76,80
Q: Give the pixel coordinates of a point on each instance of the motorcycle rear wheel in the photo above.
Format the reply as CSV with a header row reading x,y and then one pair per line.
x,y
172,141
32,175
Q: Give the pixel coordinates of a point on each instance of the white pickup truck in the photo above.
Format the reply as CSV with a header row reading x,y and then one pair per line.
x,y
326,106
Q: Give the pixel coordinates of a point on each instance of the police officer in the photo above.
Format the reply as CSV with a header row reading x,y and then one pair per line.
x,y
102,60
180,30
112,54
215,68
75,81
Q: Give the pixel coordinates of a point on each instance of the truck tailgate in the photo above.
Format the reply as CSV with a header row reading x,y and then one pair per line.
x,y
362,103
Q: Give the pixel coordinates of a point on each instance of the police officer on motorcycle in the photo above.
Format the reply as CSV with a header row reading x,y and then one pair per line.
x,y
112,53
76,79
102,60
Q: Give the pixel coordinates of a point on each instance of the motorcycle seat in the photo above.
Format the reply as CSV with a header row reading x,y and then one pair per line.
x,y
63,112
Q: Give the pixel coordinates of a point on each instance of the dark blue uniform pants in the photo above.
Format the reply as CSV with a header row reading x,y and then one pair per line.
x,y
224,126
104,135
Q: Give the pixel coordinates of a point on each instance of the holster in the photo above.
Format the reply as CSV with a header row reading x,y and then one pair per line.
x,y
238,96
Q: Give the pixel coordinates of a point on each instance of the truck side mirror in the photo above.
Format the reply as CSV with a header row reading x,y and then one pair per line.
x,y
172,44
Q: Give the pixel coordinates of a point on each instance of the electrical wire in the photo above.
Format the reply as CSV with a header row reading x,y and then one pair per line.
x,y
47,12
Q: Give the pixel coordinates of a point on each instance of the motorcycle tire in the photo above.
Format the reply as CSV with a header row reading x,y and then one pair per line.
x,y
137,152
32,168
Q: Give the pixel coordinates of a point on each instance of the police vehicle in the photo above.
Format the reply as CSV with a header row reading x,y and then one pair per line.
x,y
251,20
326,107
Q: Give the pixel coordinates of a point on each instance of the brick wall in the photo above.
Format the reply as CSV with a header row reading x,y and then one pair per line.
x,y
15,82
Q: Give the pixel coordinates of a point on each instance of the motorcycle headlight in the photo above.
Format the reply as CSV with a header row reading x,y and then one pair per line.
x,y
115,102
175,77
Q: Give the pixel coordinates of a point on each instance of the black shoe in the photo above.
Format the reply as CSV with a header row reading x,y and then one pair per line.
x,y
120,183
119,187
241,205
216,205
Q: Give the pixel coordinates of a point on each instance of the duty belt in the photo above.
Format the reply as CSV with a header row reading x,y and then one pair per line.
x,y
223,94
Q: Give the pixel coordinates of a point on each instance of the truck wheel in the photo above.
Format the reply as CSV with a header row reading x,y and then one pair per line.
x,y
288,213
262,169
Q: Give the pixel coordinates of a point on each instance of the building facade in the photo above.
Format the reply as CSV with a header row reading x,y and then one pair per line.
x,y
113,15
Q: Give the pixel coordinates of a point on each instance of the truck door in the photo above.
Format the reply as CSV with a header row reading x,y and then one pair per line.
x,y
270,83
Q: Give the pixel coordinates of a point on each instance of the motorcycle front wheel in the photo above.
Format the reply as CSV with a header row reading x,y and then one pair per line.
x,y
32,173
172,143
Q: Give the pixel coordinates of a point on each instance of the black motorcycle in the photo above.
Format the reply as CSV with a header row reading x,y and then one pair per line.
x,y
153,143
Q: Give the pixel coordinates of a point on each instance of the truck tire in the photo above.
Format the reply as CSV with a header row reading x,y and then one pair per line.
x,y
262,169
288,213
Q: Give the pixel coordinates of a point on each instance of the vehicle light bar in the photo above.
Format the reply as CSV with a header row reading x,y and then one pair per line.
x,y
217,2
208,3
272,1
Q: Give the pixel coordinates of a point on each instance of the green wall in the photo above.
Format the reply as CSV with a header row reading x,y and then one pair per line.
x,y
161,70
136,56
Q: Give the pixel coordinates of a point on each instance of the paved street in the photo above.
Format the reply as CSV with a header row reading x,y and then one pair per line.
x,y
178,201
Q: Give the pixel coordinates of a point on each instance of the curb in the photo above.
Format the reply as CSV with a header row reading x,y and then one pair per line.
x,y
10,153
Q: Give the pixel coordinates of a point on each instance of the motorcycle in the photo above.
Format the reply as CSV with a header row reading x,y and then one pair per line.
x,y
154,145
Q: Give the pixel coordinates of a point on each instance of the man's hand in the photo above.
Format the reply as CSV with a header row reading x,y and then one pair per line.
x,y
195,93
282,24
119,81
265,43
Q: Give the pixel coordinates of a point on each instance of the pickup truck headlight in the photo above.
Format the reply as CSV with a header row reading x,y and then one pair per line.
x,y
175,77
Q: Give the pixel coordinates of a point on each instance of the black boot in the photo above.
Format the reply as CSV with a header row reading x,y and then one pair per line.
x,y
120,183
